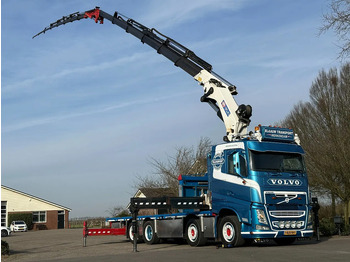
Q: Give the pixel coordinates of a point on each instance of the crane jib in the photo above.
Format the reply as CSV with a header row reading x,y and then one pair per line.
x,y
175,52
181,56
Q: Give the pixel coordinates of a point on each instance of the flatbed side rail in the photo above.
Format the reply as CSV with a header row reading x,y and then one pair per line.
x,y
169,202
101,232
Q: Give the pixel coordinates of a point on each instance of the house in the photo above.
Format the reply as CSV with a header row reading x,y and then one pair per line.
x,y
46,214
153,192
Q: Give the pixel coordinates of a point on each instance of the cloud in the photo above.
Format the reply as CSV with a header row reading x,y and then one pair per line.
x,y
103,109
175,12
30,82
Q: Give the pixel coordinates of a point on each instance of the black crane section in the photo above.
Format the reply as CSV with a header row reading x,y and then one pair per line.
x,y
174,51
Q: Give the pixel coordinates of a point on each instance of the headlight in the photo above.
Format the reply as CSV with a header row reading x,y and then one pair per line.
x,y
261,216
309,219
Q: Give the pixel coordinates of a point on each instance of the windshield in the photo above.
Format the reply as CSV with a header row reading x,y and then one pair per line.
x,y
276,161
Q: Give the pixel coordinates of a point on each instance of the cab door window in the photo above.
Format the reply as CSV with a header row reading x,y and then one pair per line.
x,y
237,165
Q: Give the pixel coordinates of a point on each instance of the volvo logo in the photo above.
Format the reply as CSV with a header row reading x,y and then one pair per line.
x,y
284,182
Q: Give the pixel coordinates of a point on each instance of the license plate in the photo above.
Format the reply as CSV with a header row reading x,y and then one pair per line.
x,y
290,233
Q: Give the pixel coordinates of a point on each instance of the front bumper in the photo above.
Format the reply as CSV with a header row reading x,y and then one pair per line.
x,y
278,234
19,229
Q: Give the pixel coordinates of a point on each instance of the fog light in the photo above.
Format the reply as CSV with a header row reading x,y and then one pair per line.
x,y
287,225
281,224
259,227
293,224
299,224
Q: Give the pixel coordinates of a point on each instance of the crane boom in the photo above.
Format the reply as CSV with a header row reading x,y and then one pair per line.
x,y
217,91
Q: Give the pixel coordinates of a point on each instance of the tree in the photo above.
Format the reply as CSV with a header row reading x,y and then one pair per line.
x,y
118,211
186,160
339,20
323,125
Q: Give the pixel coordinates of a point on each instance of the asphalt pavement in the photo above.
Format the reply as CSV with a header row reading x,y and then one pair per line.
x,y
67,245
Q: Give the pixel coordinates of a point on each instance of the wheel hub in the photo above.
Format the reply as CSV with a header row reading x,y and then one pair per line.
x,y
228,232
192,233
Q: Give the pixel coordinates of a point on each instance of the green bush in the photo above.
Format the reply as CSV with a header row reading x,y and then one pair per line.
x,y
26,217
5,249
345,230
327,227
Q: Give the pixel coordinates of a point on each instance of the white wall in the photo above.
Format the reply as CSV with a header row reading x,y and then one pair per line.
x,y
17,202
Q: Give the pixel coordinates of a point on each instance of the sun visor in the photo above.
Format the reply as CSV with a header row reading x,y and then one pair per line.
x,y
275,147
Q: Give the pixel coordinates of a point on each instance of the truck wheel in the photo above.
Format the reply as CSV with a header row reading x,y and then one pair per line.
x,y
284,241
194,235
149,235
131,235
230,231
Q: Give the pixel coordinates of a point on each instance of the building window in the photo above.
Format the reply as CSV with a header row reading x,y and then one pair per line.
x,y
39,217
3,213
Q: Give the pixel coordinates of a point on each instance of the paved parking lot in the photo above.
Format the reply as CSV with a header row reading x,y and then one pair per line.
x,y
67,245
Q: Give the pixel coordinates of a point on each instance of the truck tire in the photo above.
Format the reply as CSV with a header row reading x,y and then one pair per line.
x,y
149,235
194,235
230,231
131,235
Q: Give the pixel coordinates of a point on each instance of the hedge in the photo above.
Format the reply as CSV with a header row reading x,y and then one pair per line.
x,y
5,249
26,217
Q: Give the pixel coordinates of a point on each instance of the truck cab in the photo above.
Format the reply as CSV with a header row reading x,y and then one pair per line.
x,y
262,181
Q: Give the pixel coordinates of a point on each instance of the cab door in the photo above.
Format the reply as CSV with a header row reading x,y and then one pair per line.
x,y
230,184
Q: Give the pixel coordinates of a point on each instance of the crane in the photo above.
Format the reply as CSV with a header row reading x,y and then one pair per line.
x,y
218,92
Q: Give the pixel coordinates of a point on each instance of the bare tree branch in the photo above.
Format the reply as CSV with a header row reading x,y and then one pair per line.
x,y
339,20
187,160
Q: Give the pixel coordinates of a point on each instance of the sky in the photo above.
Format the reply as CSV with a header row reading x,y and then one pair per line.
x,y
85,106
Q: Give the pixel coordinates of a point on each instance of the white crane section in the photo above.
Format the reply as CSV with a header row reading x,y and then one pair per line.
x,y
219,94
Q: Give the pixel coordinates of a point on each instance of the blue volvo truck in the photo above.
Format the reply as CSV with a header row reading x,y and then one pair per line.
x,y
255,189
256,184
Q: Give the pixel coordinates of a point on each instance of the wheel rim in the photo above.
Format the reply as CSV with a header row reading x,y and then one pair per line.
x,y
192,233
148,233
131,235
228,232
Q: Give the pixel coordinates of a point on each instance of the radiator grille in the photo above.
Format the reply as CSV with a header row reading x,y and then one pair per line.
x,y
284,213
